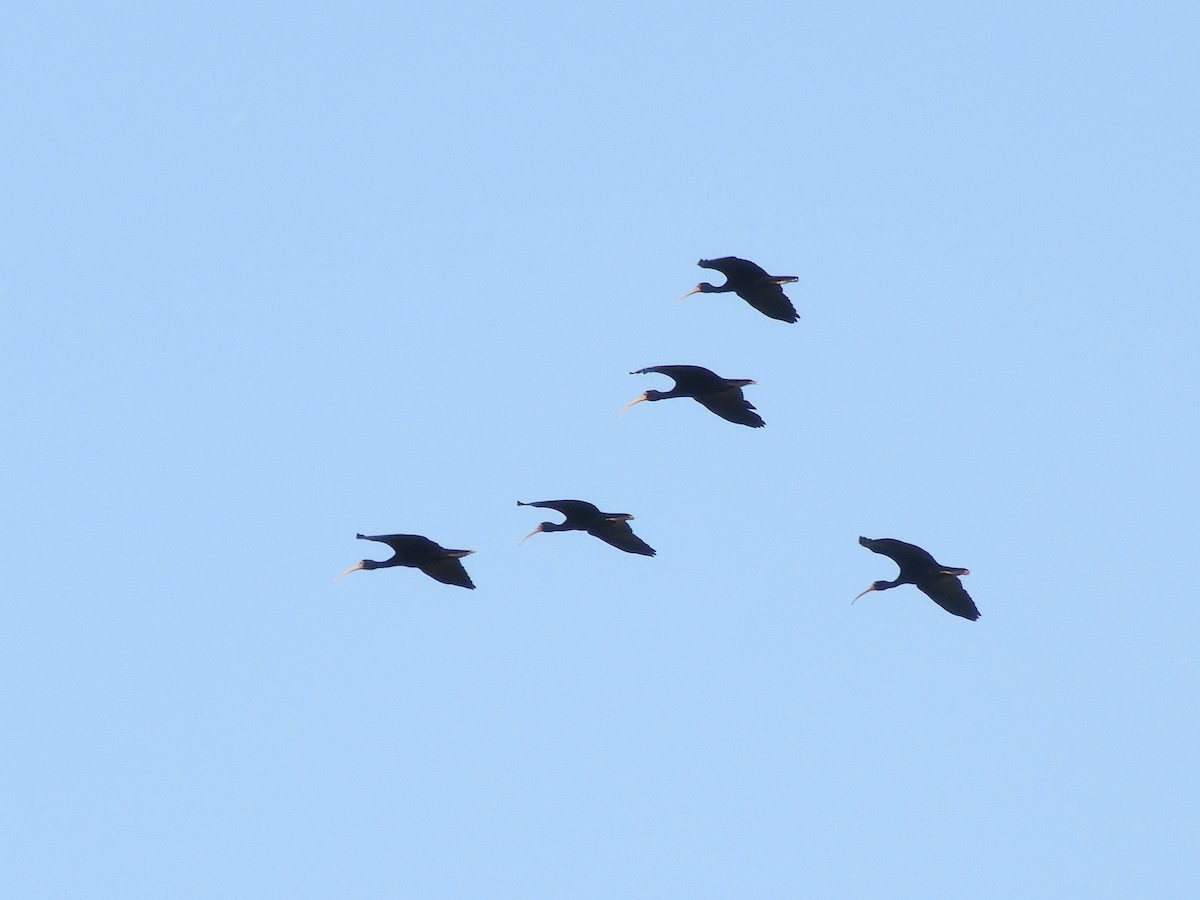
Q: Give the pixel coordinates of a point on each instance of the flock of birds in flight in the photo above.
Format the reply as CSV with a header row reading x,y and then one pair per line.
x,y
722,396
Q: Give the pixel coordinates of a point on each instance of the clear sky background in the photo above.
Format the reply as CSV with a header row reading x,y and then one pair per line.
x,y
275,274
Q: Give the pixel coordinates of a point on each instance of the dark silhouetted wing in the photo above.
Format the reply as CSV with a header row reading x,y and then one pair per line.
x,y
449,571
732,406
688,378
735,269
909,557
948,593
572,509
621,536
770,300
407,545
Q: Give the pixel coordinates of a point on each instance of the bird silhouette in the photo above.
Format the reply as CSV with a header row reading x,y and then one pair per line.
x,y
612,528
751,282
722,396
418,552
940,583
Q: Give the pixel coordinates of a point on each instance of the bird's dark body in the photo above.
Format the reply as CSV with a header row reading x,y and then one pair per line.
x,y
722,396
917,567
418,552
612,528
751,282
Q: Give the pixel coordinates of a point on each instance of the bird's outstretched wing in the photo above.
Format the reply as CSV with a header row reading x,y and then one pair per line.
x,y
948,593
569,508
908,557
403,543
687,378
621,536
731,405
734,268
449,571
770,300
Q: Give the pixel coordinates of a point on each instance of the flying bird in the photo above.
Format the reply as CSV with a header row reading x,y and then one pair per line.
x,y
418,552
752,283
722,396
940,583
612,528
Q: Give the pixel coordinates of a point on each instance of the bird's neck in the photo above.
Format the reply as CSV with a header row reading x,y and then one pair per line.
x,y
380,564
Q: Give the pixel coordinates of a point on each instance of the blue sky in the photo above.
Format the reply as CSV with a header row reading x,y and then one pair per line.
x,y
273,276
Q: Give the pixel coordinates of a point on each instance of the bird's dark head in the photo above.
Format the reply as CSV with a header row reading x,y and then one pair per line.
x,y
702,288
361,564
649,395
875,586
545,526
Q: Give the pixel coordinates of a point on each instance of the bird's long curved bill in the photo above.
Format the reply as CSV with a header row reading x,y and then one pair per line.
x,y
531,534
353,568
867,591
631,403
694,290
